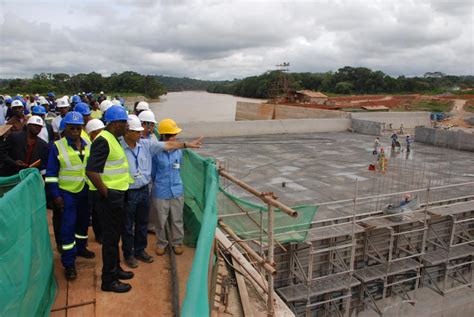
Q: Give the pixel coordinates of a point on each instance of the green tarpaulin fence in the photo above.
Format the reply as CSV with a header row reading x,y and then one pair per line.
x,y
27,283
203,197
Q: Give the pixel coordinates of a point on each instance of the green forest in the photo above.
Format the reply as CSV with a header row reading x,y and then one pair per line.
x,y
346,80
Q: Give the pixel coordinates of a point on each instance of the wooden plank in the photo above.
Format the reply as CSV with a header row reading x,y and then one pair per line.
x,y
243,292
281,309
58,313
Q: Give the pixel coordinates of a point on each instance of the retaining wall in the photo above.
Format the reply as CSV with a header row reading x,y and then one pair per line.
x,y
253,111
260,111
409,120
367,127
458,140
242,128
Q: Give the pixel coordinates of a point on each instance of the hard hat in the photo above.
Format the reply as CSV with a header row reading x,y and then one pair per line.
x,y
76,99
8,100
147,116
62,126
115,113
50,94
82,108
42,101
38,110
17,103
143,105
61,103
134,123
17,97
168,126
35,120
94,125
116,102
73,117
83,93
104,105
65,97
101,92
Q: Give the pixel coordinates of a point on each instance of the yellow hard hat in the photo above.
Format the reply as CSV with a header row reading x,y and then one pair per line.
x,y
168,126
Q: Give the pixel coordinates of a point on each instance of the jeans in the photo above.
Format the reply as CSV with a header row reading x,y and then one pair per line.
x,y
134,239
111,211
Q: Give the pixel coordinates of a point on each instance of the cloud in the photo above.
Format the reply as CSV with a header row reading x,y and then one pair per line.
x,y
233,39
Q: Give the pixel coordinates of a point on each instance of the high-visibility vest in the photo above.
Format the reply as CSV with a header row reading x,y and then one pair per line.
x,y
72,171
116,175
86,137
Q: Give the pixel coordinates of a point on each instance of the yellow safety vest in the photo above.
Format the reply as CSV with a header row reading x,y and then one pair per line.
x,y
86,137
72,171
116,175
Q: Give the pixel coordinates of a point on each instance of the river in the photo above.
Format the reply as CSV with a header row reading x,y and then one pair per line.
x,y
197,106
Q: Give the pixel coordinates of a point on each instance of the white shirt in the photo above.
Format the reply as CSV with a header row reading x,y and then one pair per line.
x,y
55,123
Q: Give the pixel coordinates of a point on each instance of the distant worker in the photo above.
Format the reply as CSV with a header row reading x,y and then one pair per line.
x,y
402,130
107,168
406,200
85,111
95,111
408,142
67,183
24,149
377,146
168,191
47,132
101,98
394,138
382,161
141,106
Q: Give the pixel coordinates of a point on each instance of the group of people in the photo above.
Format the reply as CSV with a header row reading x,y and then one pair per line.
x,y
100,165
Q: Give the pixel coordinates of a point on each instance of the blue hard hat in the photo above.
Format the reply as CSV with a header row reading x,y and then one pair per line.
x,y
122,101
17,97
115,113
73,117
38,110
82,108
51,94
8,100
76,99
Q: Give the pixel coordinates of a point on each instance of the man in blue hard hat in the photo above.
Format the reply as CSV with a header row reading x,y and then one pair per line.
x,y
83,108
67,183
52,101
107,169
47,132
75,100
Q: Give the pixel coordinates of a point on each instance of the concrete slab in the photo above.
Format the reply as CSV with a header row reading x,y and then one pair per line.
x,y
322,167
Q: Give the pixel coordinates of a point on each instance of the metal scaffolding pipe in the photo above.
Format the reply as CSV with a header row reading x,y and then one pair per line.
x,y
267,266
263,196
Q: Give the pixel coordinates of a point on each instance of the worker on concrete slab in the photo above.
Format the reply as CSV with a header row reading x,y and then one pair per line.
x,y
377,146
107,168
67,183
168,191
408,143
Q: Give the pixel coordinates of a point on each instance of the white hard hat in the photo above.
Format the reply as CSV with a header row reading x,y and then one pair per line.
x,y
42,100
65,97
61,103
134,123
16,103
143,105
93,125
147,116
35,120
101,92
104,105
116,102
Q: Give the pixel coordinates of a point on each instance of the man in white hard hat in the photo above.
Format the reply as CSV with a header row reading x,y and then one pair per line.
x,y
104,105
147,117
18,119
24,149
139,153
63,108
141,106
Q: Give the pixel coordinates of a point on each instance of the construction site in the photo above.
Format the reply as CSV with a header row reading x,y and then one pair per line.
x,y
354,258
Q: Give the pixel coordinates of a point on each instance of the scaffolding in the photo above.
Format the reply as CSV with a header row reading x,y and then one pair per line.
x,y
450,249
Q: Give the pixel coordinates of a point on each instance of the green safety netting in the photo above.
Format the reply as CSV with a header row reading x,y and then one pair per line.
x,y
27,283
203,197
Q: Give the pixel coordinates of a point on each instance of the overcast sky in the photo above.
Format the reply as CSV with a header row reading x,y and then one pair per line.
x,y
214,39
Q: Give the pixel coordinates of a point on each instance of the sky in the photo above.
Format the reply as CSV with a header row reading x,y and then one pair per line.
x,y
223,40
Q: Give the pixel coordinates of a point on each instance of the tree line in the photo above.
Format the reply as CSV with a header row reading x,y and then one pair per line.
x,y
346,80
62,83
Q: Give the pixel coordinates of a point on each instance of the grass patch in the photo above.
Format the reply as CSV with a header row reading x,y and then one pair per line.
x,y
428,105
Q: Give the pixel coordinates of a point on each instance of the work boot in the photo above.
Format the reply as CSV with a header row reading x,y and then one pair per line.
x,y
178,249
70,273
116,287
160,251
143,256
131,262
86,254
124,275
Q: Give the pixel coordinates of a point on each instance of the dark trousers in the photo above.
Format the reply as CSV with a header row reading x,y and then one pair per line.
x,y
93,198
134,239
74,224
111,212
